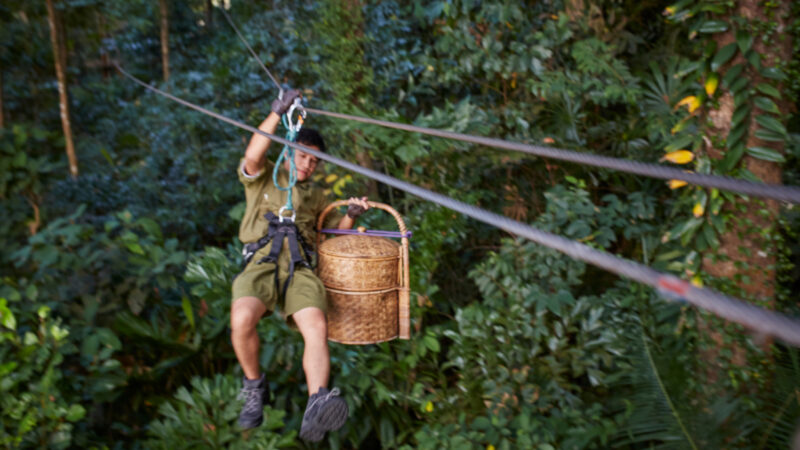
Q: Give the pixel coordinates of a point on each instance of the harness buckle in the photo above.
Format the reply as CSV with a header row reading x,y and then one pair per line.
x,y
281,217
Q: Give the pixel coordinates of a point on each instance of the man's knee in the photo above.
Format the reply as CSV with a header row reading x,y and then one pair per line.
x,y
245,313
311,321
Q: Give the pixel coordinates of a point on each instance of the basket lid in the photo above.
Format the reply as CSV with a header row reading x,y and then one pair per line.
x,y
360,247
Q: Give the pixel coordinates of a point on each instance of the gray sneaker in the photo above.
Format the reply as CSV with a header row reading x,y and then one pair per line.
x,y
326,411
254,393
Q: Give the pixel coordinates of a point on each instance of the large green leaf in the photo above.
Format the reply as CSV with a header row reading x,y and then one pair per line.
x,y
754,58
731,158
740,115
739,84
736,135
723,55
655,420
744,39
769,135
766,104
681,142
766,154
768,89
713,26
773,73
732,74
772,124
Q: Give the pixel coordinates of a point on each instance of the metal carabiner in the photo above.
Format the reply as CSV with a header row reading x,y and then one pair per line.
x,y
296,104
280,214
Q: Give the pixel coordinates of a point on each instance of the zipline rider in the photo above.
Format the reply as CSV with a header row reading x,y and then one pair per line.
x,y
278,271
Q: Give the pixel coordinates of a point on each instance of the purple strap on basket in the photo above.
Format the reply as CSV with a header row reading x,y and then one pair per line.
x,y
380,233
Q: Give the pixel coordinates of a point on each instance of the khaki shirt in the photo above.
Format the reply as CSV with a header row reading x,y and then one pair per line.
x,y
262,196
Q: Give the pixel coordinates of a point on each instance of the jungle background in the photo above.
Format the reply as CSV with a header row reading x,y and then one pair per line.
x,y
120,213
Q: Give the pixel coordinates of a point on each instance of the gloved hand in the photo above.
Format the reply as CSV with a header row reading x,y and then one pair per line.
x,y
356,207
281,105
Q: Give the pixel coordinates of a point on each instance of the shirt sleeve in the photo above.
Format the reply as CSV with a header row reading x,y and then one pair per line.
x,y
247,178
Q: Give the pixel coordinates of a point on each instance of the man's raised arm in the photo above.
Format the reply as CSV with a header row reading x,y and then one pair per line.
x,y
256,153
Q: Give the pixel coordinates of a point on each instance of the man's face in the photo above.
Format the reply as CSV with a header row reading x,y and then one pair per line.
x,y
305,163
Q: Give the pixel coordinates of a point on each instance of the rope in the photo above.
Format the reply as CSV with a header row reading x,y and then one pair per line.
x,y
252,52
287,154
770,323
776,191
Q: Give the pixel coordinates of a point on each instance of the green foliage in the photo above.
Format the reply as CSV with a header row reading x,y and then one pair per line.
x,y
35,408
205,416
513,346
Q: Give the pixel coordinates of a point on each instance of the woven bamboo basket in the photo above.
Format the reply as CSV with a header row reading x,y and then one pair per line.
x,y
367,283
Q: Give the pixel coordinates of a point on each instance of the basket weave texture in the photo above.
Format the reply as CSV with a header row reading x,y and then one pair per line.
x,y
366,278
359,263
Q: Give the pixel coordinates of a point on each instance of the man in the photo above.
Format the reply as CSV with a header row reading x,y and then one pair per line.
x,y
265,278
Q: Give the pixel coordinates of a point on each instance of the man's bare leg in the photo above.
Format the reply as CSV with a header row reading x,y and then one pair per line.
x,y
245,314
313,326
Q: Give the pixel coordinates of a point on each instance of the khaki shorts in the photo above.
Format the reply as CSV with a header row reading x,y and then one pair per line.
x,y
258,280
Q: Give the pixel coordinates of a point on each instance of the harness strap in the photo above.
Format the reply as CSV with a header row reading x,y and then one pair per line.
x,y
276,232
296,257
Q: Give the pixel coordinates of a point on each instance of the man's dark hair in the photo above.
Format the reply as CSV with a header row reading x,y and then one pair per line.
x,y
310,136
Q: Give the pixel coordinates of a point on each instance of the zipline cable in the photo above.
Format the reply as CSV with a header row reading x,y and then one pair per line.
x,y
252,52
776,191
768,322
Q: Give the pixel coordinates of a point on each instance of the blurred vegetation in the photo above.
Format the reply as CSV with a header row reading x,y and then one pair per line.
x,y
116,285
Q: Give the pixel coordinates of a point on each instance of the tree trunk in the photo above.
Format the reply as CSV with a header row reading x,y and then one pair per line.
x,y
164,38
746,252
209,14
2,116
62,40
62,88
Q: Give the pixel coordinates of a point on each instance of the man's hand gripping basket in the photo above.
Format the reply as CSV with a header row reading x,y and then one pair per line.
x,y
367,280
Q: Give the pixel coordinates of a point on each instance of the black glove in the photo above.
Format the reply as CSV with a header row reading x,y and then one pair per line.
x,y
353,211
281,105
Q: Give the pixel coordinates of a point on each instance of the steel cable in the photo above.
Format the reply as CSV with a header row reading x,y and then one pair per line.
x,y
252,52
775,191
764,321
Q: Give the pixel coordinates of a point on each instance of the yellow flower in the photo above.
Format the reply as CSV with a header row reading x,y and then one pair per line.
x,y
490,447
679,157
711,84
429,406
691,101
331,178
669,11
696,281
698,210
675,184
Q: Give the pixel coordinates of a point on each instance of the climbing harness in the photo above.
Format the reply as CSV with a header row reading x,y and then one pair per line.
x,y
768,322
288,154
278,229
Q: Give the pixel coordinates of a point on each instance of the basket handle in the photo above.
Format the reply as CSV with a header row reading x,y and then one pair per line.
x,y
401,225
404,319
